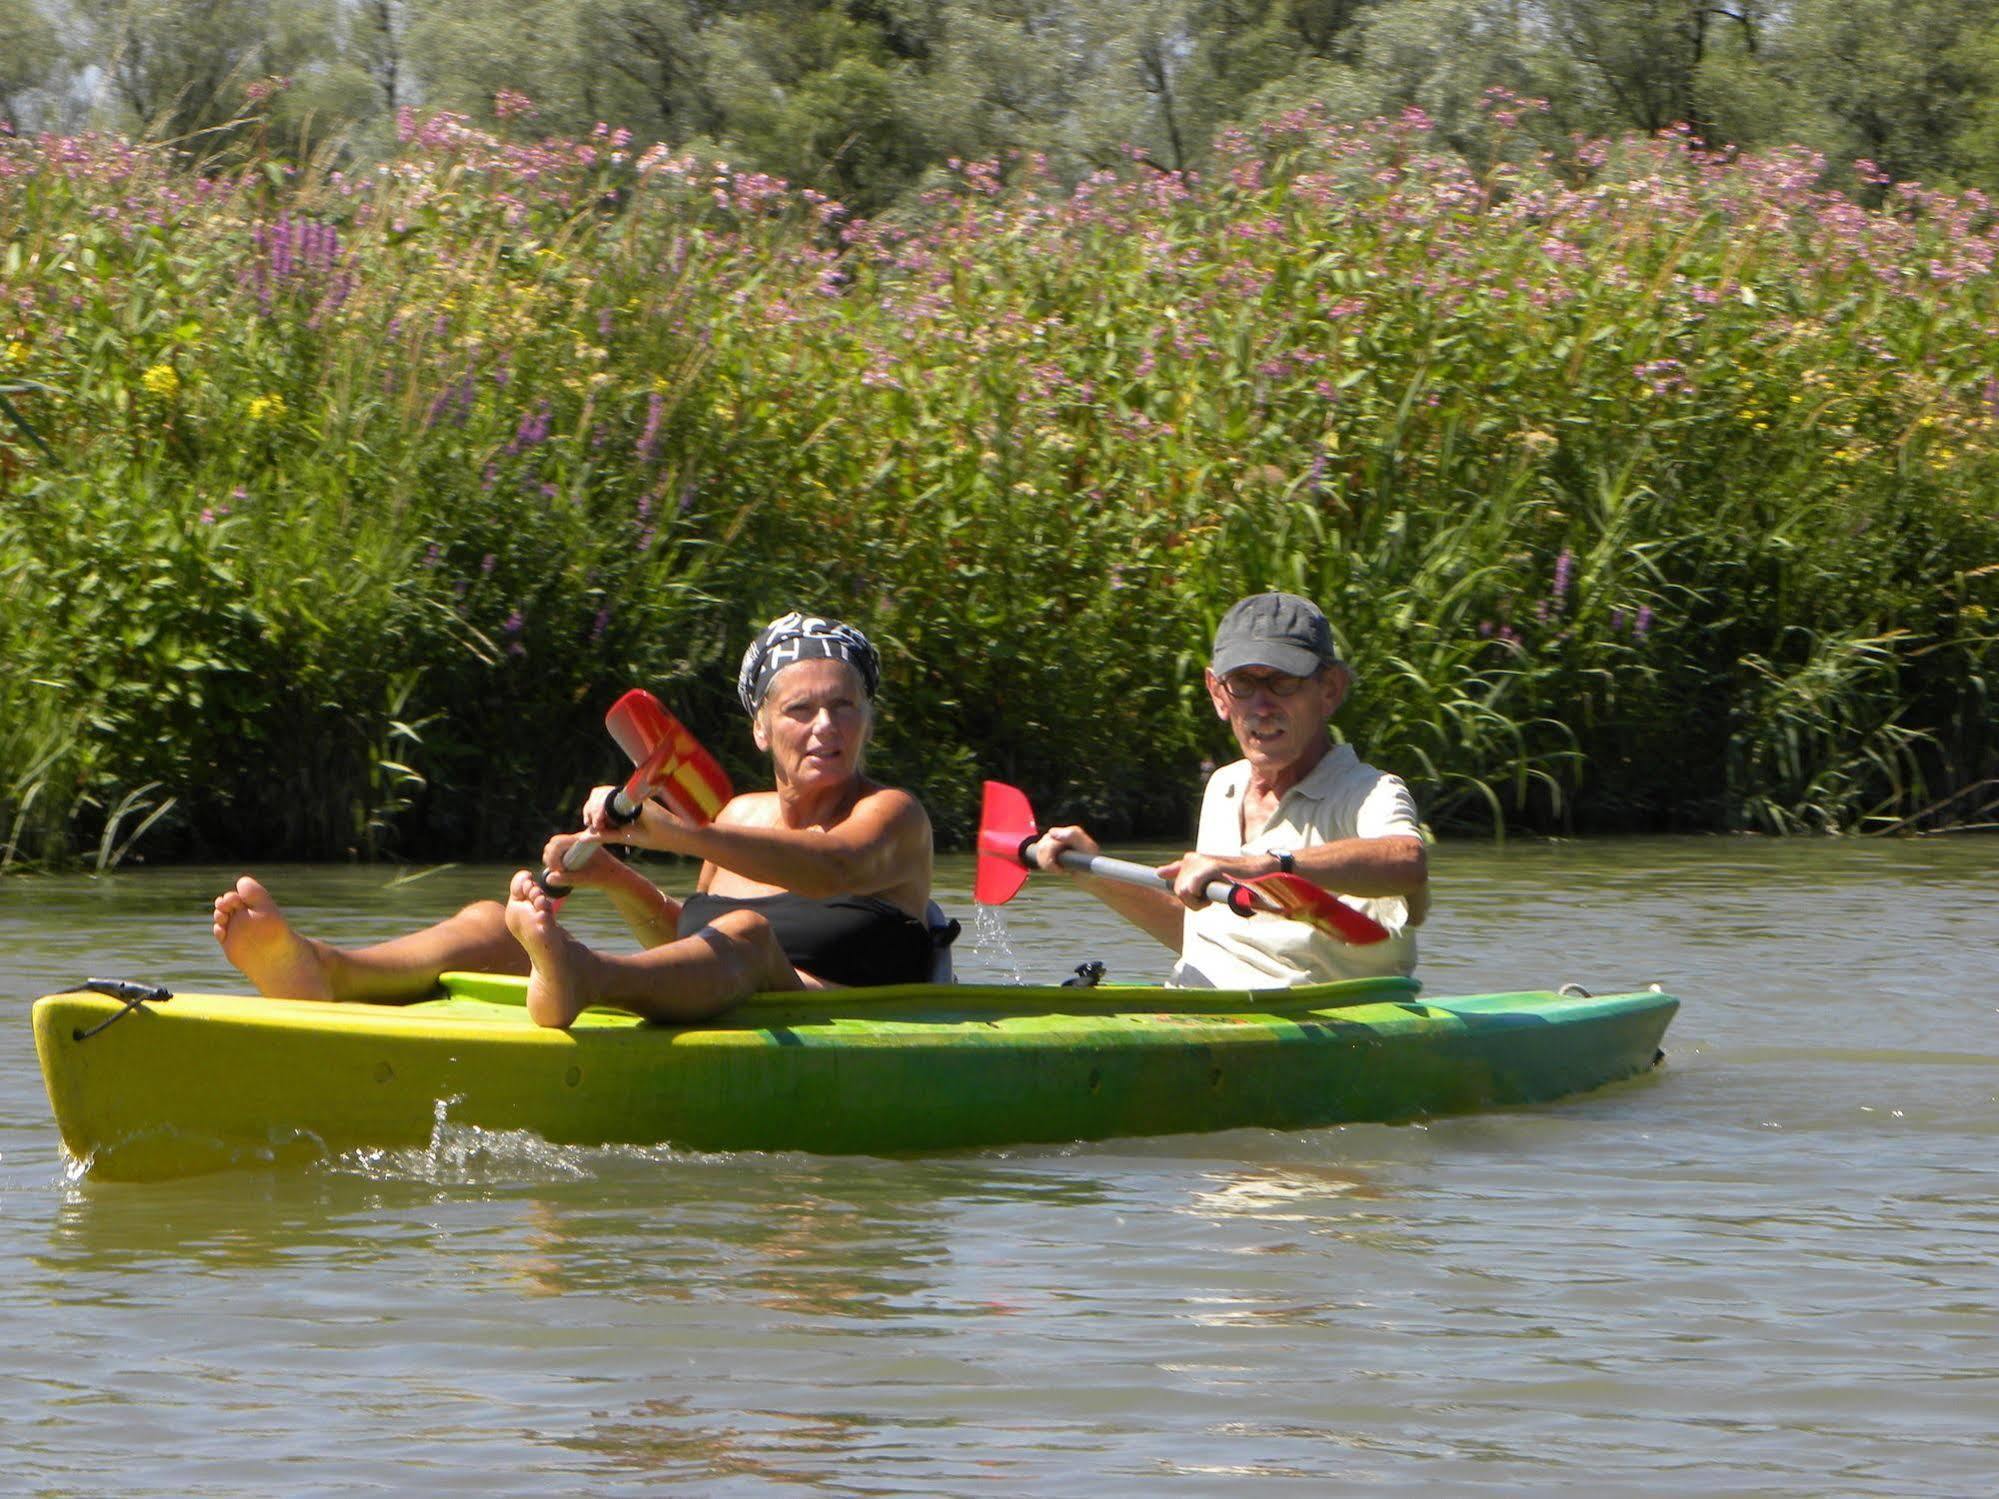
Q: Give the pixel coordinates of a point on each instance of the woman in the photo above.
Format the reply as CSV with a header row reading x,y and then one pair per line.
x,y
819,883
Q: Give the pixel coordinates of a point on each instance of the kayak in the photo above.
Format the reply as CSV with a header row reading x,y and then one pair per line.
x,y
191,1083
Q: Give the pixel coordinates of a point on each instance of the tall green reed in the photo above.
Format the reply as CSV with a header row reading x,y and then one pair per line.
x,y
1646,488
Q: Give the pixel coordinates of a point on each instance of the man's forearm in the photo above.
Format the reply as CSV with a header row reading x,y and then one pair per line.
x,y
1152,911
1368,867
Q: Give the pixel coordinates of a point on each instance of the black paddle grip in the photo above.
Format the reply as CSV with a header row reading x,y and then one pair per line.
x,y
1242,902
621,810
1025,844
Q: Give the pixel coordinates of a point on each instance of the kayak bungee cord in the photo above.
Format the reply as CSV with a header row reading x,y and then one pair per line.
x,y
133,994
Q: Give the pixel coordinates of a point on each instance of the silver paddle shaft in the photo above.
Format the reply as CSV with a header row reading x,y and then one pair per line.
x,y
1221,892
622,809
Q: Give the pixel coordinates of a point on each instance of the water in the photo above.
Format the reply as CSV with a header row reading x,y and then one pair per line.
x,y
1771,1268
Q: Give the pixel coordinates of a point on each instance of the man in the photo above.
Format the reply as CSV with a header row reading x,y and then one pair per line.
x,y
1295,803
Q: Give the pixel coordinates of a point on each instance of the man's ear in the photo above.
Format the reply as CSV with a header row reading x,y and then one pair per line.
x,y
1341,680
1217,694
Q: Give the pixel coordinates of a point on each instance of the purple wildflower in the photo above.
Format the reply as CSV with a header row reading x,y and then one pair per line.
x,y
1642,623
486,565
533,429
439,405
649,438
1564,569
600,624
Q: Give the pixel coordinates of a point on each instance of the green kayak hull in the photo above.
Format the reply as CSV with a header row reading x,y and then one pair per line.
x,y
203,1082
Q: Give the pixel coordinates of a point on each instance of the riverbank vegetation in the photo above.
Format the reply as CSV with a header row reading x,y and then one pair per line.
x,y
1647,486
865,100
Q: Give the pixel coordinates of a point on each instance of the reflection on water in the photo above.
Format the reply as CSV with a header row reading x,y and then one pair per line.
x,y
1283,1195
1766,1268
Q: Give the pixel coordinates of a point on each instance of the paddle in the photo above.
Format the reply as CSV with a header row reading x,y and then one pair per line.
x,y
1007,830
693,784
670,764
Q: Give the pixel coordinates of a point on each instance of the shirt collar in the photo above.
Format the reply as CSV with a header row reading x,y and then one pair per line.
x,y
1318,784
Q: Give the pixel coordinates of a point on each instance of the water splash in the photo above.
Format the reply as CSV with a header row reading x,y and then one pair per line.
x,y
992,942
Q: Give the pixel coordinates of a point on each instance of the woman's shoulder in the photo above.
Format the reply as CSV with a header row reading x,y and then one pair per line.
x,y
893,805
891,796
749,809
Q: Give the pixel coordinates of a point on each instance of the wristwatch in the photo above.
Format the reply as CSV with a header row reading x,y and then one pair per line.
x,y
1286,863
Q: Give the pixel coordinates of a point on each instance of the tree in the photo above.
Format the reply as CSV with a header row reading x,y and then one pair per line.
x,y
1906,84
1647,56
178,68
32,64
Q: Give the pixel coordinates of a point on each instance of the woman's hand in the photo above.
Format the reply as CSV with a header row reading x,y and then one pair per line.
x,y
655,827
597,817
596,870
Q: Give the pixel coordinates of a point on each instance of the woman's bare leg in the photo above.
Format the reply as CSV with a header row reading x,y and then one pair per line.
x,y
694,978
258,940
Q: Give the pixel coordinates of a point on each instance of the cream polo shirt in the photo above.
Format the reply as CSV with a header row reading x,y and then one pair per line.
x,y
1341,798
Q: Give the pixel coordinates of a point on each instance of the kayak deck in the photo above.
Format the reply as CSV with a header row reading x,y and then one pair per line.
x,y
201,1082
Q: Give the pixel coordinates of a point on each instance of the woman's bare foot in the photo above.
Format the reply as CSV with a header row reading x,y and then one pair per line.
x,y
257,939
555,990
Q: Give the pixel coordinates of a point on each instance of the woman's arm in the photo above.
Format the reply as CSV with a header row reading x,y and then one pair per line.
x,y
652,914
873,848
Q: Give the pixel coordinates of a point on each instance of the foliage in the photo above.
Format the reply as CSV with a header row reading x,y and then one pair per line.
x,y
1648,486
866,100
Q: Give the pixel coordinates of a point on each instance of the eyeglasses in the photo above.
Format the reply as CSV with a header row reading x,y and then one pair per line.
x,y
1241,685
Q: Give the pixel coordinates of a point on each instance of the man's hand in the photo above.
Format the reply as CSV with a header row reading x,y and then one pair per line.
x,y
1043,851
1191,874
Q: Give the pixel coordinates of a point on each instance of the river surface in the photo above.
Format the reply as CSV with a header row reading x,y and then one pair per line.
x,y
1769,1268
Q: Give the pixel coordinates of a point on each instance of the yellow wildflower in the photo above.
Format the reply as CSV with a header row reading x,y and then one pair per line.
x,y
267,408
162,380
17,352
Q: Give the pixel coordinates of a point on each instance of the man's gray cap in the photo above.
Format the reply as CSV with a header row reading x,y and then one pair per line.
x,y
1277,630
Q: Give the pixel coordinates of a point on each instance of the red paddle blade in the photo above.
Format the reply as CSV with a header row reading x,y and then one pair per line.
x,y
1005,822
1298,899
652,775
686,777
639,723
